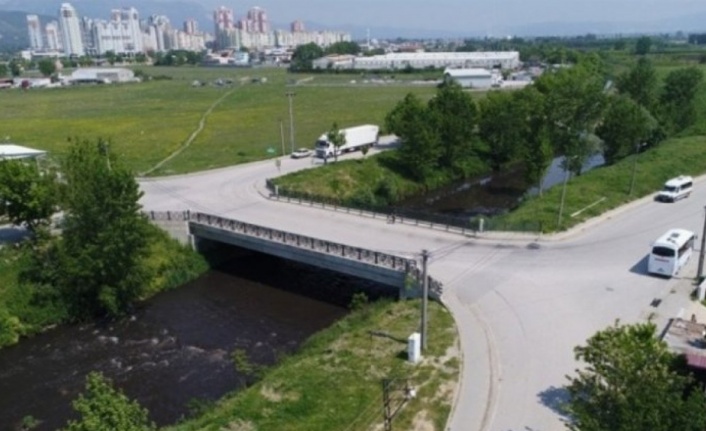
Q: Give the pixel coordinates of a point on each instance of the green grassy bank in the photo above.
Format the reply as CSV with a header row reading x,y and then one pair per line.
x,y
335,381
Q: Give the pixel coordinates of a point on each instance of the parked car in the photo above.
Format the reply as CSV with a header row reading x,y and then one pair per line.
x,y
301,153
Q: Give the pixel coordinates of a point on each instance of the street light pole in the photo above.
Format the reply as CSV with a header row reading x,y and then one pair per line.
x,y
290,95
700,271
563,195
281,133
425,297
634,168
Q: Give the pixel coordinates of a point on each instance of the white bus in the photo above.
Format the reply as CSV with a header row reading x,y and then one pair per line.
x,y
671,252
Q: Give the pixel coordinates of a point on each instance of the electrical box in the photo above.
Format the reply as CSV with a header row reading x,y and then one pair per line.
x,y
414,348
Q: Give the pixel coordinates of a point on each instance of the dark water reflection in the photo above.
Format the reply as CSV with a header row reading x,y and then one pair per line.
x,y
488,195
177,347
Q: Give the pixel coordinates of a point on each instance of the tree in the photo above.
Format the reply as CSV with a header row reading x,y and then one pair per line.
x,y
625,126
632,382
337,138
643,45
421,147
343,47
536,150
500,126
453,114
574,106
4,70
16,67
47,67
104,408
28,194
97,266
110,57
678,98
304,55
640,83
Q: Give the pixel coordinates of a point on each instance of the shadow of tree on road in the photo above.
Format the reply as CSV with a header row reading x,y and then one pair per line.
x,y
555,399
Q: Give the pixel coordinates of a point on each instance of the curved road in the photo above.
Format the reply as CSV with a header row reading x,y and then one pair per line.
x,y
521,303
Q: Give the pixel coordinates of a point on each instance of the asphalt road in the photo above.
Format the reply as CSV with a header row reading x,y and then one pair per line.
x,y
521,302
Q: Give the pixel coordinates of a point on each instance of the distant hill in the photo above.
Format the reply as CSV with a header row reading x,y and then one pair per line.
x,y
13,31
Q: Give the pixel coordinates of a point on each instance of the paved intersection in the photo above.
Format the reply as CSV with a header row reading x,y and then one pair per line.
x,y
520,308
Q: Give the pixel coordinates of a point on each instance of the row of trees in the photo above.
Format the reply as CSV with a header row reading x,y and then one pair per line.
x,y
566,112
96,266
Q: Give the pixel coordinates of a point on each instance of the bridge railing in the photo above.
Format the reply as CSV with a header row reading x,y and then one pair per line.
x,y
385,260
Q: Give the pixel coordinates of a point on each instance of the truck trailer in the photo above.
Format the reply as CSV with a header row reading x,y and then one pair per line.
x,y
356,138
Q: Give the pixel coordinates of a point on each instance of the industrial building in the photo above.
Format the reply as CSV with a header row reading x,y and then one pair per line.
x,y
508,60
101,75
473,78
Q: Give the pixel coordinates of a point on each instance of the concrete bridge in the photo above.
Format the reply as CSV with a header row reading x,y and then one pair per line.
x,y
400,273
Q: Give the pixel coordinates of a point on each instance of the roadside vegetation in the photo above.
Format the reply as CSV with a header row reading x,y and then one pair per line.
x,y
632,381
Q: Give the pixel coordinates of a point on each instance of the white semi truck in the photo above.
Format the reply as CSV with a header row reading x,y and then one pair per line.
x,y
356,138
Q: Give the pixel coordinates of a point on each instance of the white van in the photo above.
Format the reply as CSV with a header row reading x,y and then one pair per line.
x,y
675,189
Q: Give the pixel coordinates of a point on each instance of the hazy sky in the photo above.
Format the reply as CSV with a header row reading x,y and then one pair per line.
x,y
459,15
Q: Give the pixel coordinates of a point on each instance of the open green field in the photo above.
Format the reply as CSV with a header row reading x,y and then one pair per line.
x,y
148,121
335,381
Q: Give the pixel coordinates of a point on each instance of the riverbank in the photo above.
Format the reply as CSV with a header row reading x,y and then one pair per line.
x,y
24,311
335,380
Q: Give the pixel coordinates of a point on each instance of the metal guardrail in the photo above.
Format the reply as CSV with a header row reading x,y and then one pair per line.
x,y
167,215
384,260
447,223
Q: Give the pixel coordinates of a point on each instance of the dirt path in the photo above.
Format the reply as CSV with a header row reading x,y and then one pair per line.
x,y
194,134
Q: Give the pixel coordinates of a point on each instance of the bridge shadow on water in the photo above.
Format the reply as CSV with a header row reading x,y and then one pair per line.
x,y
298,278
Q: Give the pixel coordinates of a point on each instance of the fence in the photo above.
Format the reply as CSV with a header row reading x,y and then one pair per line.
x,y
450,223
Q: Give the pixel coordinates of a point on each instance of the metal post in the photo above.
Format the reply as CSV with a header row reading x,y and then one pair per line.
x,y
290,95
281,133
634,169
425,297
699,273
563,195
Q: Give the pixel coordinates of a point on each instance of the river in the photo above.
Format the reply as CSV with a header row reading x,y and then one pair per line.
x,y
176,348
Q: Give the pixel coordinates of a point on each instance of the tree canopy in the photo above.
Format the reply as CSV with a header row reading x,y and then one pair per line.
x,y
678,98
304,55
104,408
640,83
29,195
632,382
97,265
626,126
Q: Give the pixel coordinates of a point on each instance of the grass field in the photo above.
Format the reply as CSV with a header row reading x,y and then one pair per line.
x,y
147,122
335,381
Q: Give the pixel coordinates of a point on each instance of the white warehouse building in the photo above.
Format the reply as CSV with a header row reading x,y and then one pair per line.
x,y
473,78
102,75
439,60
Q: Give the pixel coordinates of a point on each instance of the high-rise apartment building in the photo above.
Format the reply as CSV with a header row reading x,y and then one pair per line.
x,y
34,28
70,30
53,37
121,35
297,26
223,19
191,26
257,21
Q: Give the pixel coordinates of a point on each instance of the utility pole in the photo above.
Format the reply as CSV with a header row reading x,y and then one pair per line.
x,y
700,271
290,95
563,196
281,133
634,168
425,297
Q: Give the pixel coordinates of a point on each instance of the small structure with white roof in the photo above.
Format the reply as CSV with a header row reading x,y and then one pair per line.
x,y
12,151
